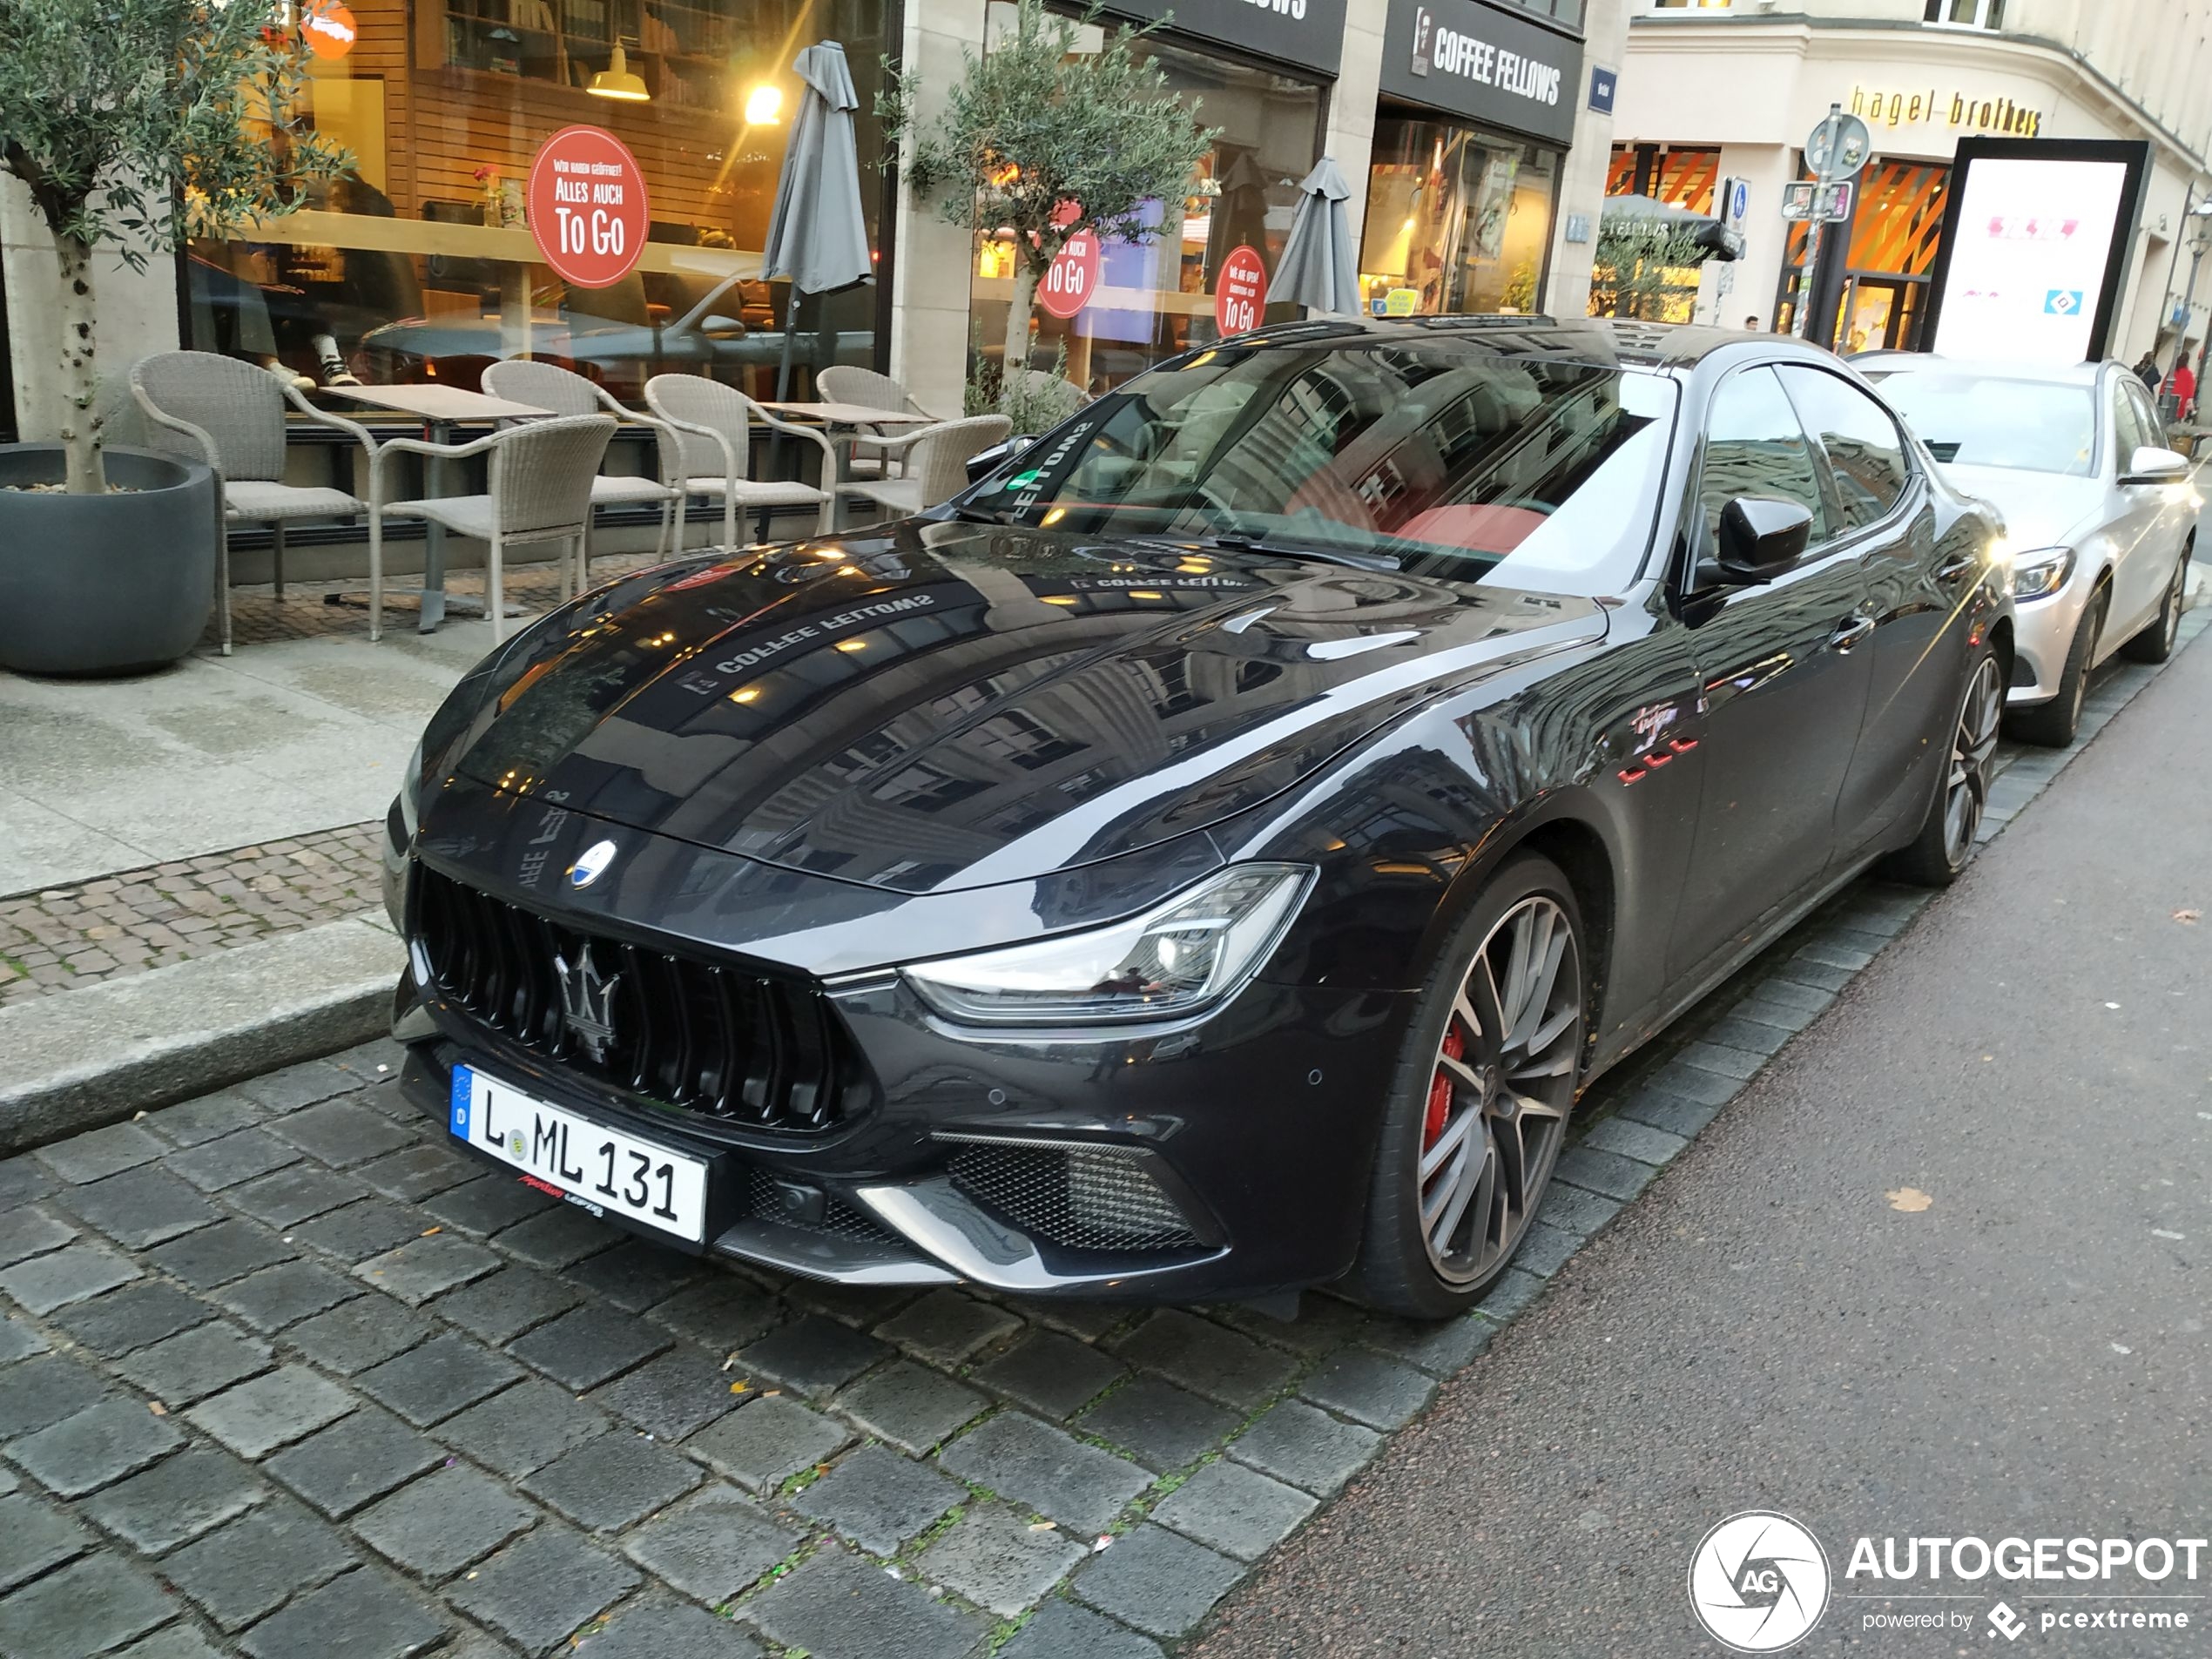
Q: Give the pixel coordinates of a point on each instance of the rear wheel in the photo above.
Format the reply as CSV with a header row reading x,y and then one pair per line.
x,y
1946,838
1479,1106
2156,643
2053,724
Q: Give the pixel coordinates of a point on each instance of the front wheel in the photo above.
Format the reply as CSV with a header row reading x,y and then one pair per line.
x,y
2053,724
1478,1106
2156,643
1946,838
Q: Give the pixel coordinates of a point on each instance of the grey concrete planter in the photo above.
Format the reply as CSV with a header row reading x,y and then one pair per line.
x,y
104,584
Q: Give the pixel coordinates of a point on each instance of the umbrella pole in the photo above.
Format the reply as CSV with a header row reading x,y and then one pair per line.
x,y
783,392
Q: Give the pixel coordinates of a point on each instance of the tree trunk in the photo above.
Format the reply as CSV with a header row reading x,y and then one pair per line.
x,y
1017,320
81,441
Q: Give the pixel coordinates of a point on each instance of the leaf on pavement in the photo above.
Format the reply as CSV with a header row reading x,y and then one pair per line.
x,y
1911,1200
2189,918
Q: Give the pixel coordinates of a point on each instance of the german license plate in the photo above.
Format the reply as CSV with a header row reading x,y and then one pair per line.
x,y
597,1167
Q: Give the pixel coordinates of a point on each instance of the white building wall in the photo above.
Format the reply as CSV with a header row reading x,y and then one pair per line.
x,y
1582,183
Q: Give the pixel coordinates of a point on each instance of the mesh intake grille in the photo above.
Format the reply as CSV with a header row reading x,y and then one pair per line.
x,y
1080,1198
741,1048
839,1217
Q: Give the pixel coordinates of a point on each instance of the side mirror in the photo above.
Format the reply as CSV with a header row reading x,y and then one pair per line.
x,y
2152,465
720,328
1761,539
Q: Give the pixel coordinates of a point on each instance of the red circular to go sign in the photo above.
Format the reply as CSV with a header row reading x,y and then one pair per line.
x,y
587,206
1240,293
1073,276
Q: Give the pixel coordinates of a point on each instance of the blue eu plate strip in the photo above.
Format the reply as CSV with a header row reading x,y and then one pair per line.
x,y
461,1075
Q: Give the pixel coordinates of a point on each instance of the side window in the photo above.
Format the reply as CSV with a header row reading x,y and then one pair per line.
x,y
2129,431
1860,437
2153,429
1754,446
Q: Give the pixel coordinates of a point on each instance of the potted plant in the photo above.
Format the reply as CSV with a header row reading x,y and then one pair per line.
x,y
134,124
1038,141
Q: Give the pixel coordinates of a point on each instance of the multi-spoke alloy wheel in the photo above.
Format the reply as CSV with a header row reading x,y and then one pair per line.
x,y
1967,788
1499,1096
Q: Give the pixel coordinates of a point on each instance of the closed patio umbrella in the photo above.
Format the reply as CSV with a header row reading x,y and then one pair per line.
x,y
1317,270
817,236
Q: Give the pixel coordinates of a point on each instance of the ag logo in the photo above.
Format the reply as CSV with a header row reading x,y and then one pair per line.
x,y
1758,1582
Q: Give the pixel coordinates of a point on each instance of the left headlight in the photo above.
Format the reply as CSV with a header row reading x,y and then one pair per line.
x,y
2041,572
1182,956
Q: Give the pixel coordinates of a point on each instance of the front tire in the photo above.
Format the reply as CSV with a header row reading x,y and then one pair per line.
x,y
1940,852
2156,643
2053,724
1478,1106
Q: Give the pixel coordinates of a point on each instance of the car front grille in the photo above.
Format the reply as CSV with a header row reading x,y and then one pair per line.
x,y
741,1048
1079,1197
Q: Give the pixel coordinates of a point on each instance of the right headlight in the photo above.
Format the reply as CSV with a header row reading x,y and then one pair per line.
x,y
2041,572
1180,956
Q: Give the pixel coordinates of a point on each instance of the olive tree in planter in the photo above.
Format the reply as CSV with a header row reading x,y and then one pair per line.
x,y
132,124
1043,140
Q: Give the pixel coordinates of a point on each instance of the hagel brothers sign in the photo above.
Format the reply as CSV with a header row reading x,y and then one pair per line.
x,y
1470,59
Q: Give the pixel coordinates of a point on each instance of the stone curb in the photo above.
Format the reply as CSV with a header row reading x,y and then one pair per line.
x,y
94,1056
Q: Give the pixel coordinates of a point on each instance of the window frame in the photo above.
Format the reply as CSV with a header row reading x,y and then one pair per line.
x,y
1897,508
1684,576
1989,15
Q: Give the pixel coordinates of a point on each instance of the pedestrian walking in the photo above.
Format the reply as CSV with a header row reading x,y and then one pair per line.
x,y
2147,371
2181,386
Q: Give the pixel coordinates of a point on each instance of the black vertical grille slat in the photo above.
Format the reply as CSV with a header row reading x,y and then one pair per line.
x,y
765,1052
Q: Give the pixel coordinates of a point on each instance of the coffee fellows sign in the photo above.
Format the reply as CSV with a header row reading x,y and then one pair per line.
x,y
1959,112
1490,65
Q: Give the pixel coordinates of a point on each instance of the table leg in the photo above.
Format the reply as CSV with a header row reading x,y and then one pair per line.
x,y
434,539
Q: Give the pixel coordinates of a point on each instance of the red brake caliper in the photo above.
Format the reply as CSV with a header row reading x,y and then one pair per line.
x,y
1439,1091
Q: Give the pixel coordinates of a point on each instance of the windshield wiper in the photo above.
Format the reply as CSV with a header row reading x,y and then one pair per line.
x,y
1241,541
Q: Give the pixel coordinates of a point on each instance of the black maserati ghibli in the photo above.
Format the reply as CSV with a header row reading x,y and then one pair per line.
x,y
1211,854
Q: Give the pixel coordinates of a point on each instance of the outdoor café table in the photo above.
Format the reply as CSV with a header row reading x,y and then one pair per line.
x,y
440,408
845,423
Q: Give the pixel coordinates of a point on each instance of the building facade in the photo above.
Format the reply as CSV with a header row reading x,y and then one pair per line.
x,y
1467,130
1731,88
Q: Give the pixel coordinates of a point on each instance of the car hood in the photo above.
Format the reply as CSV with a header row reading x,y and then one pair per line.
x,y
2040,509
950,705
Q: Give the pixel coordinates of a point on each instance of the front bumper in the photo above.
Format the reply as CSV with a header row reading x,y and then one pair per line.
x,y
1243,1141
2042,635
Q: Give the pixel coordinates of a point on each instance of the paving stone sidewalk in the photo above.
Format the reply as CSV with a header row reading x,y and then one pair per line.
x,y
276,1363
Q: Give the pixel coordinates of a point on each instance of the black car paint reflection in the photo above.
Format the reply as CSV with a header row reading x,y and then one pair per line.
x,y
820,762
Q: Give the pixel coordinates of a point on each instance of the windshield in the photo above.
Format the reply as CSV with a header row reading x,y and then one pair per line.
x,y
1454,463
1994,421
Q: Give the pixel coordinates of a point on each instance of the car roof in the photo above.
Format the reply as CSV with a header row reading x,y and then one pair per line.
x,y
2000,369
1603,339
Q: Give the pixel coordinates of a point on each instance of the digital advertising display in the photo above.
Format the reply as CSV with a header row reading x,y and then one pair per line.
x,y
2035,244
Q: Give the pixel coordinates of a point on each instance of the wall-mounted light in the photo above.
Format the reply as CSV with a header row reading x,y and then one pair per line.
x,y
619,81
762,105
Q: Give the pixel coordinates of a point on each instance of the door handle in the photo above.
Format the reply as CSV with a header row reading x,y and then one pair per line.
x,y
1952,569
1851,631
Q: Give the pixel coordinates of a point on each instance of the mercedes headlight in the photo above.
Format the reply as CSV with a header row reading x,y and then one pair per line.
x,y
2041,572
1182,956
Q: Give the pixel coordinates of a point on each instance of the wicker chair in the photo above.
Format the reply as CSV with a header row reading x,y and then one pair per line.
x,y
842,383
714,428
230,413
936,465
547,386
540,477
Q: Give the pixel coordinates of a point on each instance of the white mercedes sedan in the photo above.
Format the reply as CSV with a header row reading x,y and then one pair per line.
x,y
2100,516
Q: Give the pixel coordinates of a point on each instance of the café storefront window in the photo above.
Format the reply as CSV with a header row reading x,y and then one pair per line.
x,y
419,264
1459,220
1157,297
1463,181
